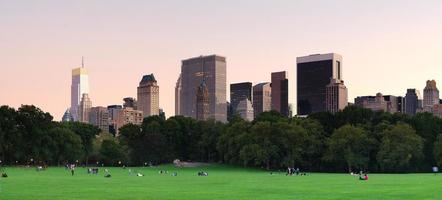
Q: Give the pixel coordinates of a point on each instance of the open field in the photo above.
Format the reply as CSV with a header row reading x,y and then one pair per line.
x,y
223,182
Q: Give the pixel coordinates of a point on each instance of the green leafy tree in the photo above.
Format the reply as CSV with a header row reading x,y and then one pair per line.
x,y
111,153
66,145
400,147
438,150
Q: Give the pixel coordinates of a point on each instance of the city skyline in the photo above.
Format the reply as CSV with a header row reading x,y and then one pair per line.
x,y
405,45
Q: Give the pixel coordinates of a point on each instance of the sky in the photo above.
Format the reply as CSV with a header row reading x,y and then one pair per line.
x,y
387,46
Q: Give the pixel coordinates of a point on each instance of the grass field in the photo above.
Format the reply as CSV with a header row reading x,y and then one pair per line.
x,y
223,182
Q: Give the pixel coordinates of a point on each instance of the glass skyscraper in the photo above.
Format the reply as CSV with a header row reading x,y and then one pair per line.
x,y
80,86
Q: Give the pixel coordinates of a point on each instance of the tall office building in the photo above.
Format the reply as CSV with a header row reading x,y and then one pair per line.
x,y
239,92
212,69
245,110
178,96
99,116
84,108
202,102
148,96
412,101
431,95
79,86
314,73
280,92
130,102
262,98
336,96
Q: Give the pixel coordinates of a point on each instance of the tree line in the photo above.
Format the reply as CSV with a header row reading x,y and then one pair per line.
x,y
350,140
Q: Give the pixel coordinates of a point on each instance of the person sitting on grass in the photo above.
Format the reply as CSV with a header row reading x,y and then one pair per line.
x,y
174,174
140,174
107,174
363,178
4,175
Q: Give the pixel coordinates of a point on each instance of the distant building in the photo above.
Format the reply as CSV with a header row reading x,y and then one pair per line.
x,y
84,108
79,86
280,92
245,110
178,96
202,102
148,96
126,116
213,70
99,116
130,102
67,117
375,103
436,110
336,96
431,96
412,102
262,98
314,73
113,117
239,92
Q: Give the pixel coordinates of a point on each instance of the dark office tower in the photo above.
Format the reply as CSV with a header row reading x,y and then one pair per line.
x,y
202,102
314,73
280,92
239,92
262,98
130,102
212,69
411,101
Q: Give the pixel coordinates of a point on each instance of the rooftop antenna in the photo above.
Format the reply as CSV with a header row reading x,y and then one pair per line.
x,y
82,62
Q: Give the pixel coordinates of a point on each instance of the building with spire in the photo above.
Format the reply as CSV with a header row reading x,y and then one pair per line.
x,y
202,102
79,86
148,96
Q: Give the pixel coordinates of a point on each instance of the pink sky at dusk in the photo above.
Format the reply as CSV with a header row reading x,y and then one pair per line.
x,y
387,46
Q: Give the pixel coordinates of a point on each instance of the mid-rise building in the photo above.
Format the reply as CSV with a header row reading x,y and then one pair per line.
x,y
202,102
336,97
262,98
239,92
84,108
436,110
130,102
280,92
127,116
314,73
178,96
212,69
245,110
431,95
113,117
412,104
79,86
148,96
375,103
99,116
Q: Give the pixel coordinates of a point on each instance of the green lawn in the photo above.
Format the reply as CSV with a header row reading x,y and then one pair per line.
x,y
222,183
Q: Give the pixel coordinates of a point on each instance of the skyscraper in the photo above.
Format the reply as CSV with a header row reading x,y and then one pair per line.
x,y
213,70
245,110
84,108
148,96
79,86
239,92
99,116
336,97
412,101
202,102
314,73
262,98
431,95
280,92
178,96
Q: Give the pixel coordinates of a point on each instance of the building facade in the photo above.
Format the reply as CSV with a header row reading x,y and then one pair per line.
x,y
67,117
178,96
99,116
130,102
202,102
431,95
314,73
262,98
239,92
336,96
148,96
280,92
84,108
212,69
375,103
412,103
79,86
245,110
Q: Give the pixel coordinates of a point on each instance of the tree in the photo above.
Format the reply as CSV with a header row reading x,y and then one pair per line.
x,y
400,147
349,144
111,152
438,150
66,145
87,133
